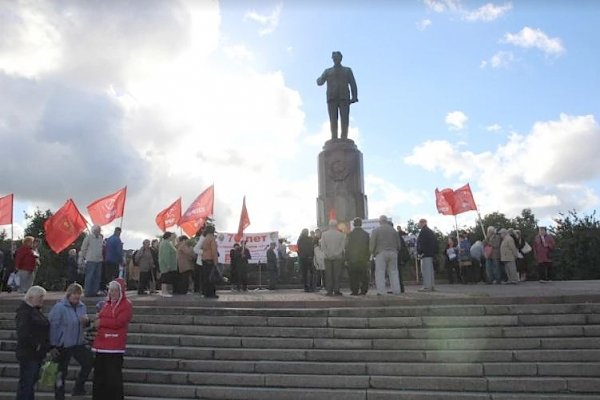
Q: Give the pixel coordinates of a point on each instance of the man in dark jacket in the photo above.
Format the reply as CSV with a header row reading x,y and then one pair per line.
x,y
357,255
426,249
272,266
306,253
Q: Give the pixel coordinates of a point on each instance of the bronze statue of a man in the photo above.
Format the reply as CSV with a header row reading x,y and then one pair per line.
x,y
340,84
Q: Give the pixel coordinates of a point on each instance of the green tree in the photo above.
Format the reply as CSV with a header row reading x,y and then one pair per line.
x,y
578,246
51,274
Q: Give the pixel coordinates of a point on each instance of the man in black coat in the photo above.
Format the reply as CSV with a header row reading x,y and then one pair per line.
x,y
272,266
426,250
357,255
306,254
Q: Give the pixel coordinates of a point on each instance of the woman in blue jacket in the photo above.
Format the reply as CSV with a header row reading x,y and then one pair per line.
x,y
68,320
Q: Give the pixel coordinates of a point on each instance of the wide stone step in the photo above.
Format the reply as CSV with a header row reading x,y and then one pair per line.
x,y
168,391
344,343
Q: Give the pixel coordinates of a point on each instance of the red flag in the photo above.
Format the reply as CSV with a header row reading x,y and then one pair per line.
x,y
6,209
64,227
463,200
103,211
169,216
193,218
444,201
332,215
244,222
453,202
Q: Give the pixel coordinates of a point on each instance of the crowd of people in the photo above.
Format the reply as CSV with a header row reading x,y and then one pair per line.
x,y
68,333
499,258
323,256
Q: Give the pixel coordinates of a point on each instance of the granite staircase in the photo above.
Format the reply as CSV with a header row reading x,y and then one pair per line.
x,y
417,352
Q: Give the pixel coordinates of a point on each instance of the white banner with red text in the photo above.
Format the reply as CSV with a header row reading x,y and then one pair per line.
x,y
257,243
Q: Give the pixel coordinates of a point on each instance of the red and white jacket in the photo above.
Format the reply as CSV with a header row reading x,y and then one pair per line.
x,y
114,319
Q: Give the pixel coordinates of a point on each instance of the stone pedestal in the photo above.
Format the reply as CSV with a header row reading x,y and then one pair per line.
x,y
341,182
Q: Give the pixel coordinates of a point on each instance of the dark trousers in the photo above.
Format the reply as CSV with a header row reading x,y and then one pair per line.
x,y
272,278
545,271
209,287
84,357
333,272
320,278
308,273
29,372
358,272
242,276
182,282
400,277
197,278
111,272
144,281
452,269
234,276
108,377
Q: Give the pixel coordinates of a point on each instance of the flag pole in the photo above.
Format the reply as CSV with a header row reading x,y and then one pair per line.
x,y
481,224
456,227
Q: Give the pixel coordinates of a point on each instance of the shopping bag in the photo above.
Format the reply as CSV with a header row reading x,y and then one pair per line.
x,y
13,280
48,374
526,248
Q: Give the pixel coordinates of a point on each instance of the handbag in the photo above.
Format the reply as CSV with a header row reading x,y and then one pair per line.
x,y
48,374
526,248
13,280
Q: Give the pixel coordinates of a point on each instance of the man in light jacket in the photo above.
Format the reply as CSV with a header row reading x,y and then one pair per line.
x,y
385,245
332,244
91,251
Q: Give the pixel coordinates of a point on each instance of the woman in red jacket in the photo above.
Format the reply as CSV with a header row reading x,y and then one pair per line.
x,y
109,344
25,263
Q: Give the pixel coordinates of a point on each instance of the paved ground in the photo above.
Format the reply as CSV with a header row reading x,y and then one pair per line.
x,y
527,292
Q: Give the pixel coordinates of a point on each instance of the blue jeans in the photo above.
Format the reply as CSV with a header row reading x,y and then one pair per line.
x,y
492,270
29,372
93,274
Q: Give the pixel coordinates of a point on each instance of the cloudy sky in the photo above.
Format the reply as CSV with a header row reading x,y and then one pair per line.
x,y
168,97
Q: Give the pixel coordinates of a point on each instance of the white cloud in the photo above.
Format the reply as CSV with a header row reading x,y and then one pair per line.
x,y
269,22
146,103
493,128
30,44
423,24
440,6
502,59
456,120
238,52
535,38
488,12
544,169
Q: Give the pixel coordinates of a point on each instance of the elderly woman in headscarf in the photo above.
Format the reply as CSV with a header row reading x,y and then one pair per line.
x,y
109,344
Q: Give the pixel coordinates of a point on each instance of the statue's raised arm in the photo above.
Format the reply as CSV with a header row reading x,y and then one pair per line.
x,y
341,92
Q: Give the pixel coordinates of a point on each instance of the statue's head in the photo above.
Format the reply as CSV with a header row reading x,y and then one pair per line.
x,y
336,56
